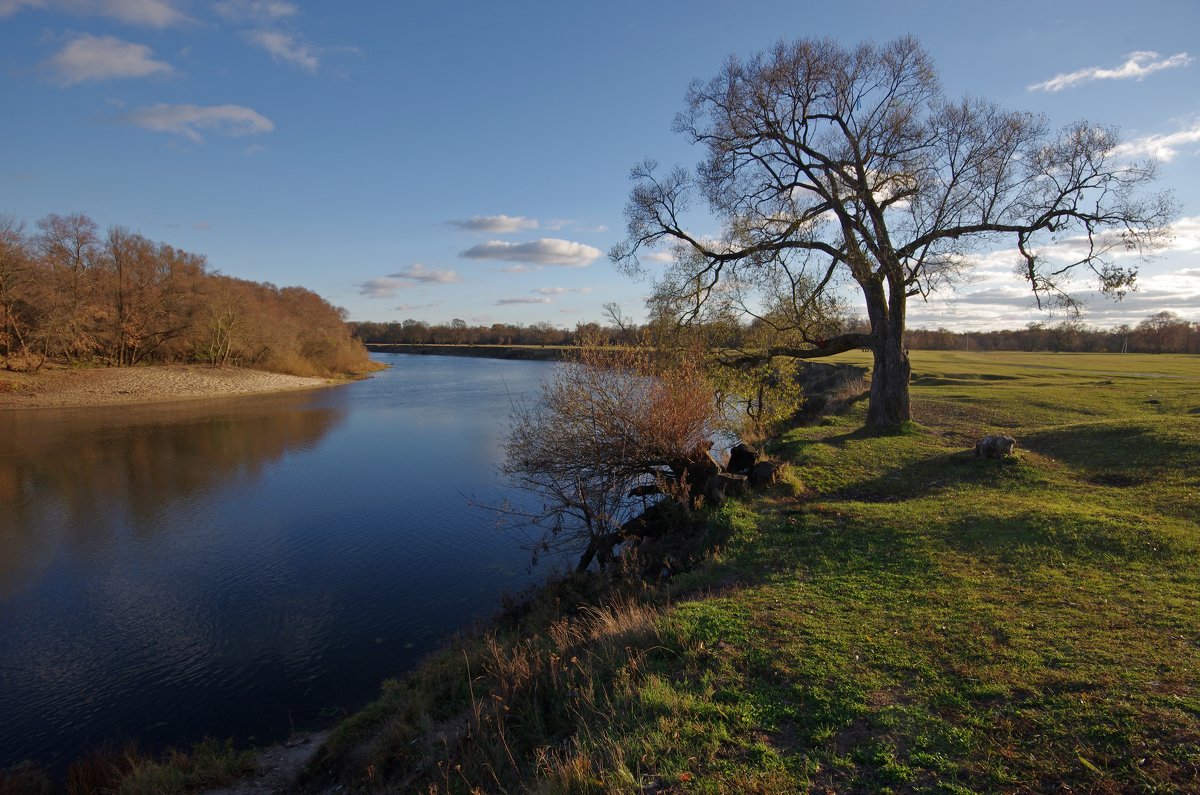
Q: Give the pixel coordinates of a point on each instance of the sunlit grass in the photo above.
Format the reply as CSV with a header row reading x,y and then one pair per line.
x,y
898,616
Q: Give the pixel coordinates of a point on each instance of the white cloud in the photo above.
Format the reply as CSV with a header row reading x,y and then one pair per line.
x,y
518,269
496,224
664,257
152,13
189,120
1185,236
507,301
546,251
560,290
1012,306
383,287
999,264
104,58
419,273
1163,146
287,48
995,298
256,10
386,286
1136,67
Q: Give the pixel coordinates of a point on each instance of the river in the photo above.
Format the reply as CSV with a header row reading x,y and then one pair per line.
x,y
242,567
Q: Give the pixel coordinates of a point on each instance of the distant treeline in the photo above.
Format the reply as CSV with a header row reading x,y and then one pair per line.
x,y
1164,332
457,332
70,292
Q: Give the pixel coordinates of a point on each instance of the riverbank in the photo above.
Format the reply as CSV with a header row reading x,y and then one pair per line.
x,y
65,387
898,615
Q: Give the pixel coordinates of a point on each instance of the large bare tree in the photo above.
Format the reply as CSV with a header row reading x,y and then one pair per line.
x,y
828,166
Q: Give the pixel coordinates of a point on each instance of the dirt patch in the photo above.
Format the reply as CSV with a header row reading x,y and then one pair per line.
x,y
279,767
68,387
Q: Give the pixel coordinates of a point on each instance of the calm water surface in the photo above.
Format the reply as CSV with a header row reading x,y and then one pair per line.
x,y
235,568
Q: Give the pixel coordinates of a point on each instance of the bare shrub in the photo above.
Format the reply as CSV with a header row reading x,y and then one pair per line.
x,y
611,420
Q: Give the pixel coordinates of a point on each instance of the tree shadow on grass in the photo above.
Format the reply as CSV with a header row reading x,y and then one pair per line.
x,y
815,543
1108,448
1062,538
930,474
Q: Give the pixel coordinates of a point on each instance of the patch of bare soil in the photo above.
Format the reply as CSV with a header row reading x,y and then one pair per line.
x,y
279,767
66,387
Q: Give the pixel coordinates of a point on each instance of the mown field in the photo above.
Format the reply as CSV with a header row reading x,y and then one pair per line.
x,y
897,616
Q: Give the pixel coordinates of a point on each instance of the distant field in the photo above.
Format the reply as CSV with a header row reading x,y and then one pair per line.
x,y
899,616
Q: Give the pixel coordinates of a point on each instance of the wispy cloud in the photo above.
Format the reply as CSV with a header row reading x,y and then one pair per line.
x,y
287,48
560,290
87,58
1162,146
496,224
270,26
190,120
419,273
10,7
546,251
151,13
256,10
386,286
1137,66
383,287
523,300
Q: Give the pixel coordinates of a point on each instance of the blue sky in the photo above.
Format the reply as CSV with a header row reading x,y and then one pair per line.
x,y
470,160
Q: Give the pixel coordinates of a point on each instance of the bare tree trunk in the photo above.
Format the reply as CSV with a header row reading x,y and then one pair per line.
x,y
889,404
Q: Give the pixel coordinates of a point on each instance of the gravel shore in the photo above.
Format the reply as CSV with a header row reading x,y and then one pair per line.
x,y
65,387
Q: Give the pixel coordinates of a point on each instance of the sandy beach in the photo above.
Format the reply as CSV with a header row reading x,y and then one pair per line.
x,y
107,386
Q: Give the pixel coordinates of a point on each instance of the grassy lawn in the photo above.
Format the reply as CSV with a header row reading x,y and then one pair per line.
x,y
897,616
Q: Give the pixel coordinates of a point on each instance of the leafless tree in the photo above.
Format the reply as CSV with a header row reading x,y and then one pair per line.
x,y
69,246
16,274
828,166
623,323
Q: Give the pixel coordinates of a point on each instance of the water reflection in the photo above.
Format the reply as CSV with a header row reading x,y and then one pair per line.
x,y
82,476
236,569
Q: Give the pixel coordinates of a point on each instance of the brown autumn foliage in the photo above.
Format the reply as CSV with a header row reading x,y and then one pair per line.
x,y
71,293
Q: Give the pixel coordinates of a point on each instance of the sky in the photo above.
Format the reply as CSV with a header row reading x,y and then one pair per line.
x,y
439,160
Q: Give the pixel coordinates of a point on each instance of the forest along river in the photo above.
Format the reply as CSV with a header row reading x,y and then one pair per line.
x,y
242,567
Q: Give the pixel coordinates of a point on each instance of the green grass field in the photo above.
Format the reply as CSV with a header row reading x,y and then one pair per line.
x,y
897,616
